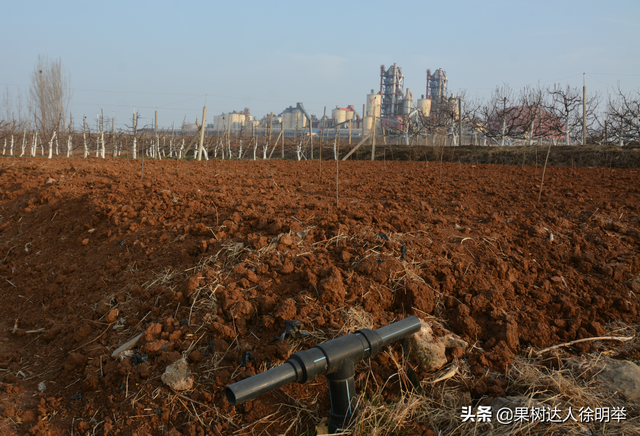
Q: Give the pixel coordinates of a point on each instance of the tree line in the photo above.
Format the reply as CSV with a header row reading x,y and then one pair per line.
x,y
561,114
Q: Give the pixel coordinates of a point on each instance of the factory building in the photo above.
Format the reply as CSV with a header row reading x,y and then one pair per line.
x,y
437,87
395,103
295,117
341,115
233,121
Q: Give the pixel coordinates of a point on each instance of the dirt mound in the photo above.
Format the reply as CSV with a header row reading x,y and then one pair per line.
x,y
210,260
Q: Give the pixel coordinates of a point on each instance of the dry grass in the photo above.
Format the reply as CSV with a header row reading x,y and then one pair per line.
x,y
356,318
439,405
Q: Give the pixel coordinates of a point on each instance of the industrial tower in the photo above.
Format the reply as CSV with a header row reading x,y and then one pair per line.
x,y
436,87
391,84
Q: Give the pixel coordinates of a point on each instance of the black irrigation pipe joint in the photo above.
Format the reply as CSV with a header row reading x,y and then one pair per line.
x,y
335,359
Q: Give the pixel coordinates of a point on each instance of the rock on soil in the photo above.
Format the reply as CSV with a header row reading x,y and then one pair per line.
x,y
178,376
621,377
430,352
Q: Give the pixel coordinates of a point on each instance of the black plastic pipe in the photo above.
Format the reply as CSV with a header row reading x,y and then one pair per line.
x,y
336,359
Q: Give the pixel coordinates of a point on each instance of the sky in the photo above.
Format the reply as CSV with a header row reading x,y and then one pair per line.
x,y
170,56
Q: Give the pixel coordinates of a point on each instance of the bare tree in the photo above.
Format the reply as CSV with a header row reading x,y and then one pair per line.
x,y
623,116
49,94
13,118
506,115
564,104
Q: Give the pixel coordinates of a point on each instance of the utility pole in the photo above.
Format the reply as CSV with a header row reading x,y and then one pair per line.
x,y
459,121
156,148
311,139
373,138
113,134
204,120
584,110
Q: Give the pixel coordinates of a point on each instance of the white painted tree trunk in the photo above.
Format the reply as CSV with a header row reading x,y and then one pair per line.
x,y
206,155
51,145
86,147
34,145
102,147
69,146
24,143
133,150
299,150
566,132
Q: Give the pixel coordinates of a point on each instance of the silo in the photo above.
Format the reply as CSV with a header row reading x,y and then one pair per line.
x,y
372,109
287,119
339,115
350,115
299,120
424,106
407,103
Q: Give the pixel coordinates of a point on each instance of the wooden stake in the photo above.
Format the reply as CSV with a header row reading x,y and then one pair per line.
x,y
320,152
204,118
337,160
543,171
357,146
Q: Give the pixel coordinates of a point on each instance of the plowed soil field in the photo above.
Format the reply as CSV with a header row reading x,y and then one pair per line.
x,y
208,260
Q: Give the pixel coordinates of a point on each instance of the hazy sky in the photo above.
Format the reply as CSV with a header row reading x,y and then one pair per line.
x,y
268,55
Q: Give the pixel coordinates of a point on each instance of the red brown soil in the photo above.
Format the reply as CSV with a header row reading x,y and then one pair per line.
x,y
210,259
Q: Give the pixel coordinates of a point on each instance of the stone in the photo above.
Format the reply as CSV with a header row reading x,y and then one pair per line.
x,y
429,351
126,346
286,240
178,376
621,377
112,316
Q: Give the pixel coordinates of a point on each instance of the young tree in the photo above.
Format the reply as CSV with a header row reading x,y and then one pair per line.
x,y
49,94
